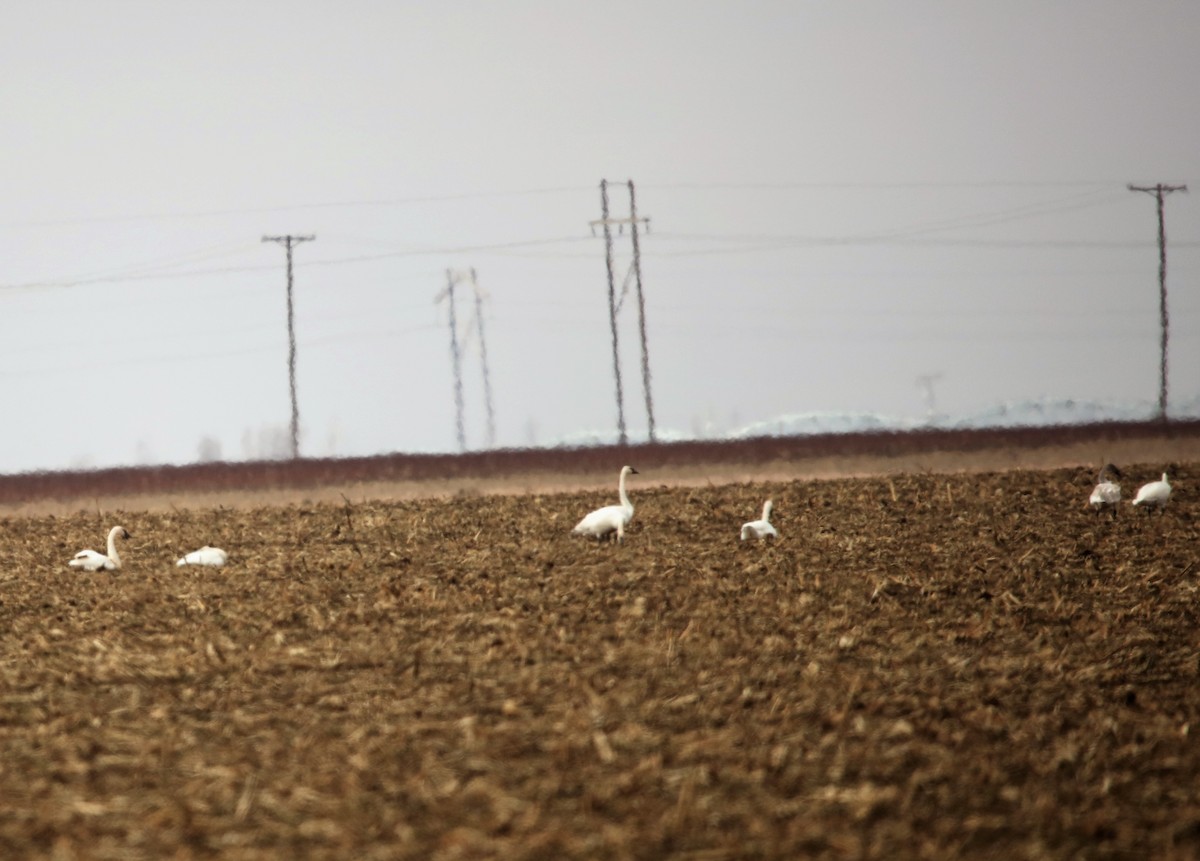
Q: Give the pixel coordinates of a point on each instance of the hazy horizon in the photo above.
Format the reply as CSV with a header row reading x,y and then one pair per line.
x,y
844,201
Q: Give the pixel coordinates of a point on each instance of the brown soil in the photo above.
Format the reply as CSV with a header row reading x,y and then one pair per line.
x,y
926,665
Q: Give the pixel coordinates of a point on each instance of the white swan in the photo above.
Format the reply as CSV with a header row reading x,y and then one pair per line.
x,y
612,518
90,560
1156,493
760,528
206,555
1106,491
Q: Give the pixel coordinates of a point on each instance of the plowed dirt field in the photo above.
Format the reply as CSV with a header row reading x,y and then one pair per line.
x,y
924,666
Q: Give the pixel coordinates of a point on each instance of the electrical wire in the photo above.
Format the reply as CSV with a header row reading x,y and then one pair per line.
x,y
917,235
209,355
336,261
868,185
293,207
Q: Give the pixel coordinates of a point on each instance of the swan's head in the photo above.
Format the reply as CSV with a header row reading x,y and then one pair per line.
x,y
767,506
628,470
118,532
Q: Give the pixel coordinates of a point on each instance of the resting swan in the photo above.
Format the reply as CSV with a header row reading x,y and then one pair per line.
x,y
760,528
90,560
206,555
1107,491
612,518
1156,493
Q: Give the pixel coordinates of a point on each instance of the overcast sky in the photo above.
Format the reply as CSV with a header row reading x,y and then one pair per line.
x,y
844,196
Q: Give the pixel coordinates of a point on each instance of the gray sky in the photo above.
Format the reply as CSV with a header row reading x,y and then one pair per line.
x,y
844,196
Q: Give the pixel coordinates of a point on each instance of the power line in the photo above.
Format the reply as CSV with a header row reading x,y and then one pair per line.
x,y
900,236
336,261
1074,202
288,242
150,267
291,207
482,195
782,332
904,235
40,369
1160,191
836,185
781,242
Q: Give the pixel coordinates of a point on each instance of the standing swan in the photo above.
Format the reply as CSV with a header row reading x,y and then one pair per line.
x,y
206,555
612,518
1156,493
90,560
760,528
1107,492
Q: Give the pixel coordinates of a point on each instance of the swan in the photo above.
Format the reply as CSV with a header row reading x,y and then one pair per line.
x,y
1154,493
206,555
90,560
612,518
1106,491
760,528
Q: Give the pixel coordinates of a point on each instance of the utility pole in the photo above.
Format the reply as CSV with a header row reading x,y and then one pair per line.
x,y
457,346
288,242
456,359
607,223
622,438
1160,191
637,274
483,360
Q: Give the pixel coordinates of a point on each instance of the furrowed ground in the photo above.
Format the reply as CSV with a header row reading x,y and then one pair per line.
x,y
925,666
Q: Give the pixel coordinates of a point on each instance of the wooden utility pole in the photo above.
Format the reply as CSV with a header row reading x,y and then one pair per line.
x,y
456,359
456,352
1160,191
637,275
483,361
288,242
607,223
622,437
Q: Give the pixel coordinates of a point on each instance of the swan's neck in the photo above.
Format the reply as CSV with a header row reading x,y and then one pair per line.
x,y
621,491
112,548
766,511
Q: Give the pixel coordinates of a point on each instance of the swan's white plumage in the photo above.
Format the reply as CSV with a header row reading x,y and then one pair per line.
x,y
206,555
1154,493
612,518
1106,491
90,560
761,528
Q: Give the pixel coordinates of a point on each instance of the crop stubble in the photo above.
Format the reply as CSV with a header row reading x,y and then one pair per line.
x,y
924,666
